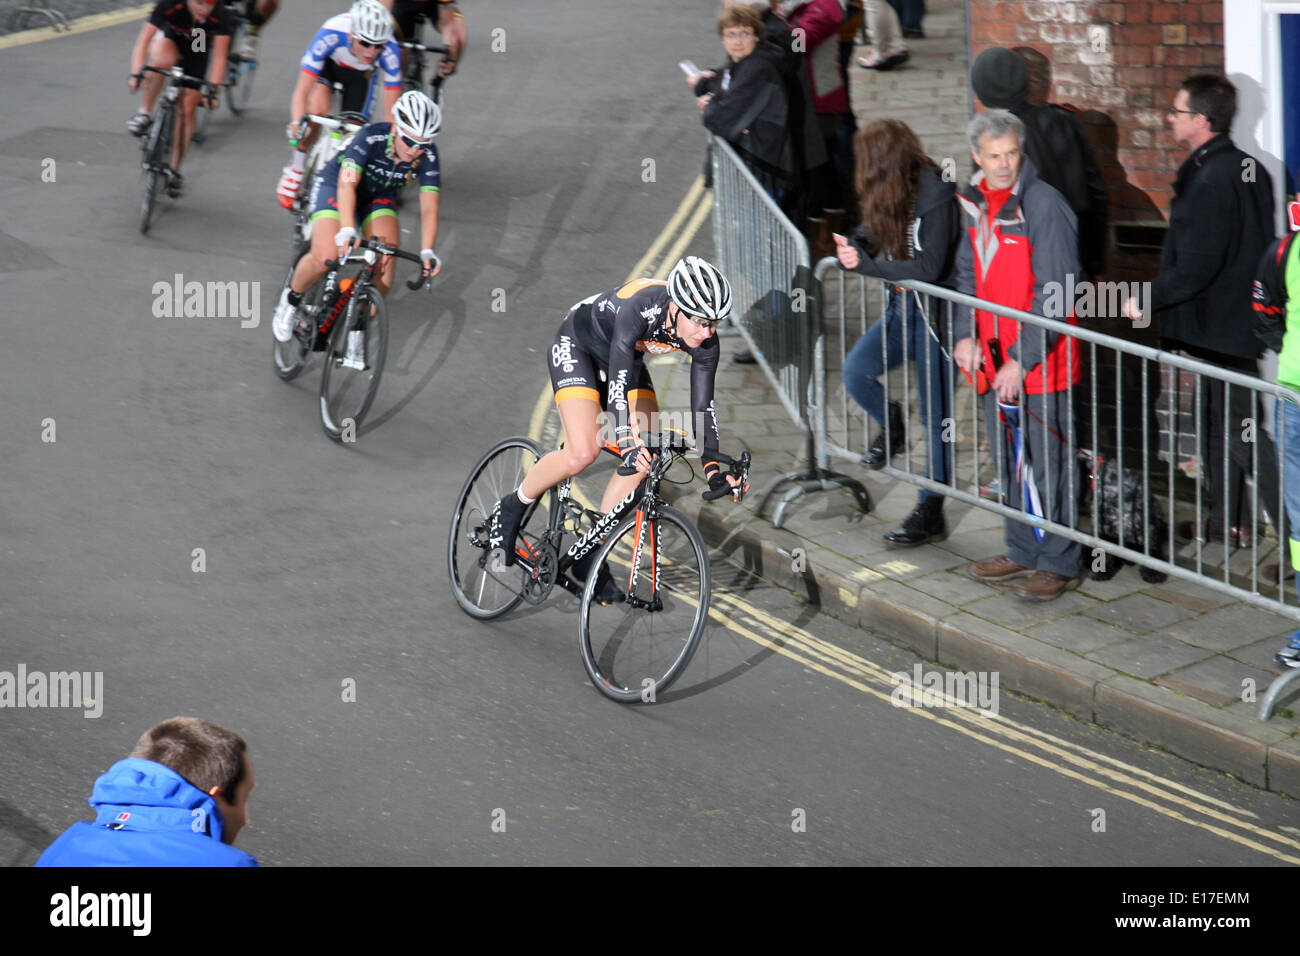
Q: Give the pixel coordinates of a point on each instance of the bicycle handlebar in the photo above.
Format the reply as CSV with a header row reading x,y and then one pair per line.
x,y
181,78
334,122
422,48
383,249
739,468
676,442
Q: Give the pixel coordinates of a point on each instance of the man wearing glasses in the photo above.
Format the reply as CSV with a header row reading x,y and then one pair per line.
x,y
1220,223
353,49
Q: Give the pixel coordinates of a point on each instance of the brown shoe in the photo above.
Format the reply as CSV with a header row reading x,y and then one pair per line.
x,y
1000,568
1046,586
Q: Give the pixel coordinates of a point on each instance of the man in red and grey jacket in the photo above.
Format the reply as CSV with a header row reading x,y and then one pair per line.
x,y
1020,249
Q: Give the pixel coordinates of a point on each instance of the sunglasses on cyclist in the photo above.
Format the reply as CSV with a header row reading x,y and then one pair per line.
x,y
368,45
708,325
413,143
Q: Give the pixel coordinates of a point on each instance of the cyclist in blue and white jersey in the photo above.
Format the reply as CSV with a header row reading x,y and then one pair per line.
x,y
357,190
356,49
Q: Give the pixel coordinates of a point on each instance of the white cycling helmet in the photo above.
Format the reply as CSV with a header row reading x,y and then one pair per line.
x,y
371,22
699,289
416,116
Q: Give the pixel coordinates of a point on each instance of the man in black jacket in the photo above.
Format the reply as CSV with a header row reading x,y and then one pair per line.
x,y
1220,223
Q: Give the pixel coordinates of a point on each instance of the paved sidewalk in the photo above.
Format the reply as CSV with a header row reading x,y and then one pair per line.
x,y
1169,664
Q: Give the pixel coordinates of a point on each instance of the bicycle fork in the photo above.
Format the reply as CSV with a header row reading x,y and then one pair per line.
x,y
647,527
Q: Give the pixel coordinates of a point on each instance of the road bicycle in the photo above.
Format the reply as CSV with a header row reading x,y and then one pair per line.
x,y
157,143
332,312
241,68
634,646
335,134
413,58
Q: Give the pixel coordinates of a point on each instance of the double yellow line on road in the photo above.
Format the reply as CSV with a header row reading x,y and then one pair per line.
x,y
1074,761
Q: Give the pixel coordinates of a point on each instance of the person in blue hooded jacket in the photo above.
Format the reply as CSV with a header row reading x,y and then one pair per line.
x,y
180,799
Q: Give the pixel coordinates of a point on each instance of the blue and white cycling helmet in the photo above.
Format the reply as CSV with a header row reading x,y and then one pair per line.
x,y
371,22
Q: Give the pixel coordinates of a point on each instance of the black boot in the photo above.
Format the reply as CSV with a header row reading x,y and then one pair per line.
x,y
925,523
876,456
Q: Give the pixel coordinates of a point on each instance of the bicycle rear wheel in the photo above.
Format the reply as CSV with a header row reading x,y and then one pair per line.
x,y
345,392
635,649
157,154
291,357
481,590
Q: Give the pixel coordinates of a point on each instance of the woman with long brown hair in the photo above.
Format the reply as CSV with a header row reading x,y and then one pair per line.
x,y
910,227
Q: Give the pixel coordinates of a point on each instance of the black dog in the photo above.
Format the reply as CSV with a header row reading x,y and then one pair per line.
x,y
1140,526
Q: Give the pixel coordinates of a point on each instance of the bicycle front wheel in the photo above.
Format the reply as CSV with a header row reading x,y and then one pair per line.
x,y
481,590
634,649
291,357
156,157
202,119
348,383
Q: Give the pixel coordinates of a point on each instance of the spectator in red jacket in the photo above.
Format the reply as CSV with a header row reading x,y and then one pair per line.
x,y
1019,246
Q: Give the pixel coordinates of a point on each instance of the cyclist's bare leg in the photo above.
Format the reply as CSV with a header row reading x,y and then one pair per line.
x,y
185,126
384,228
163,55
311,267
579,416
645,418
266,9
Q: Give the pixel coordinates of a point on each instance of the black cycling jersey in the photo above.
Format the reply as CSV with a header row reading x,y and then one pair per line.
x,y
174,18
620,326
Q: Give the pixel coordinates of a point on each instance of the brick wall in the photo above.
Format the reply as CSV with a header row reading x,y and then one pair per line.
x,y
1120,64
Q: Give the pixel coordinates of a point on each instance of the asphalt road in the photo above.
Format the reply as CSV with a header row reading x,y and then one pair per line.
x,y
323,563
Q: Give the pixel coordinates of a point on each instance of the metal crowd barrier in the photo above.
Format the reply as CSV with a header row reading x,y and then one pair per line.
x,y
766,260
1129,490
38,8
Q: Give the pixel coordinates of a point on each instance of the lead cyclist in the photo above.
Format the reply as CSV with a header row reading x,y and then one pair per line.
x,y
605,338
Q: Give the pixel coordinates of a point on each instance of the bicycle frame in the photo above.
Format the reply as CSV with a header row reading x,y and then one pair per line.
x,y
644,499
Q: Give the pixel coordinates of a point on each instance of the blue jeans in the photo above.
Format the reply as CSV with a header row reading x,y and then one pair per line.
x,y
867,362
909,13
1288,465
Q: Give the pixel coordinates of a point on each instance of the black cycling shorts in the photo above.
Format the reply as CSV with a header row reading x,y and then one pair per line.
x,y
407,13
356,85
574,373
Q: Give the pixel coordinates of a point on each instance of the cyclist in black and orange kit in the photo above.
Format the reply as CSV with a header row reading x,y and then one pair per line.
x,y
598,361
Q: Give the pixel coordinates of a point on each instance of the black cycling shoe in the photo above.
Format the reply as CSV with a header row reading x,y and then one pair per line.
x,y
175,184
607,592
139,124
503,526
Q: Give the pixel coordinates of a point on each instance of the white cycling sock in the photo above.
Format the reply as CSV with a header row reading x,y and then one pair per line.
x,y
299,161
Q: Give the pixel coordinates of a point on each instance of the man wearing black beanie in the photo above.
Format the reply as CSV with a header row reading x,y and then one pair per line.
x,y
1055,141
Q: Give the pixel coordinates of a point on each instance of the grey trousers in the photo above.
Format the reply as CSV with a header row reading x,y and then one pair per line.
x,y
1050,450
